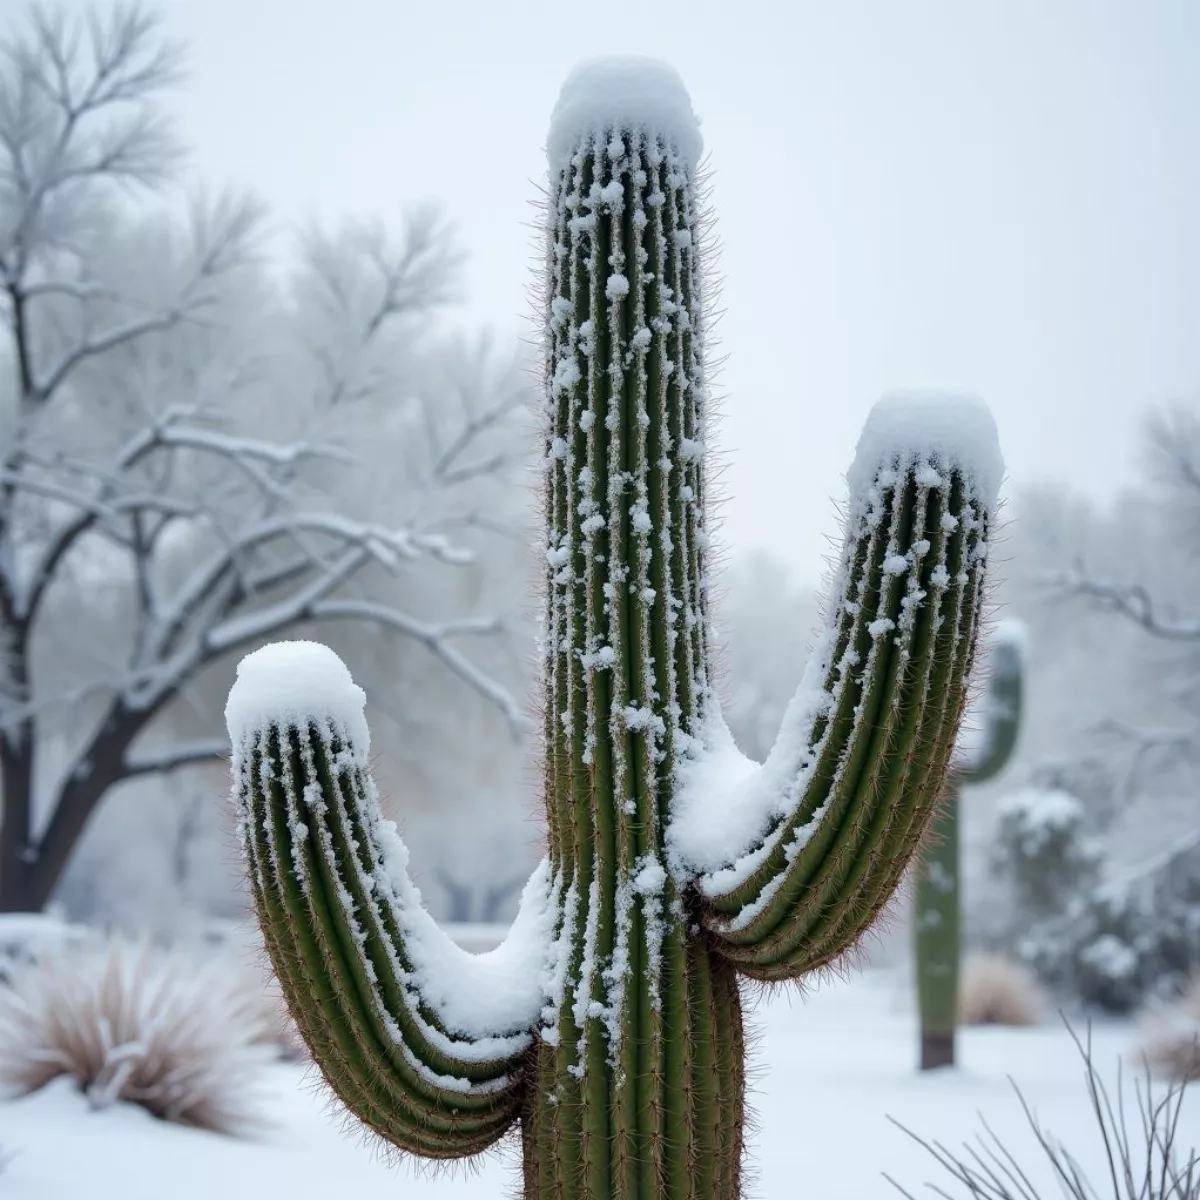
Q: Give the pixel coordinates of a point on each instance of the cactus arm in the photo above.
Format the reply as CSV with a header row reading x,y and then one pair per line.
x,y
378,991
863,753
1001,709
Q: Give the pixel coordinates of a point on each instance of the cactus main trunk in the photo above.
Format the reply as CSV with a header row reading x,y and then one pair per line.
x,y
640,1087
609,1023
938,935
937,921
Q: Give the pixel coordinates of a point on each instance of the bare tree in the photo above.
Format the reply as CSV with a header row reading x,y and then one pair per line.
x,y
164,503
1143,573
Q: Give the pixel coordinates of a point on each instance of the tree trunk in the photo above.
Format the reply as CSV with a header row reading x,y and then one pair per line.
x,y
938,934
30,870
20,888
937,1049
82,792
19,874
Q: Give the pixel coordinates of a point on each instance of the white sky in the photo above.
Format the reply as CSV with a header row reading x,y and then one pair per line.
x,y
1000,196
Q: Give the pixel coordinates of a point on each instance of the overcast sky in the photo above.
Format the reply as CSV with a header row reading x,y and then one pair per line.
x,y
999,196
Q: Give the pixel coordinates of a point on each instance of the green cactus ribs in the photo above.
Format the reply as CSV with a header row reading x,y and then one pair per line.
x,y
608,1026
937,920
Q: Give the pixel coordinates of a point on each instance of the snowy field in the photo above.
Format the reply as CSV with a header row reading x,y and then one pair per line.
x,y
829,1070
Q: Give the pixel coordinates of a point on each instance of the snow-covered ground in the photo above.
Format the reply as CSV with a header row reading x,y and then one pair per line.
x,y
828,1071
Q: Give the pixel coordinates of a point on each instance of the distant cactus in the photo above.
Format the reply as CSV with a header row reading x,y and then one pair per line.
x,y
608,1024
938,916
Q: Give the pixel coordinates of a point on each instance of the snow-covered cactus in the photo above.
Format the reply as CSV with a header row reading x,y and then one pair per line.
x,y
938,917
609,1022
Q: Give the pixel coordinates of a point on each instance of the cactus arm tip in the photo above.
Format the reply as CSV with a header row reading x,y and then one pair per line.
x,y
953,429
423,1041
840,804
293,683
1012,633
999,728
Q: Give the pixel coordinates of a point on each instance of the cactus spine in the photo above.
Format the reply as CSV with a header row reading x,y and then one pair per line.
x,y
938,918
609,1024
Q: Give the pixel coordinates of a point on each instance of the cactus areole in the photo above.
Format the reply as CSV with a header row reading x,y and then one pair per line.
x,y
608,1025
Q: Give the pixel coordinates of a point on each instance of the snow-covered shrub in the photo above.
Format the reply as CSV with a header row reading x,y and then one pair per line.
x,y
1106,939
1124,941
27,937
1170,1043
129,1023
995,990
1089,952
1043,851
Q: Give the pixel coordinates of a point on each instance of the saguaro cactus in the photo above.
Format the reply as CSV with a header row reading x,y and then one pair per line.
x,y
938,917
609,1023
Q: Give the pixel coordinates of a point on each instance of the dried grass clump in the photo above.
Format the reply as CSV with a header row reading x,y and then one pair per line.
x,y
1146,1157
130,1023
1170,1041
994,990
279,1029
245,955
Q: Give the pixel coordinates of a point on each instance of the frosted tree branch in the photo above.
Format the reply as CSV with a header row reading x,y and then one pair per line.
x,y
409,280
1173,449
185,755
1132,601
437,639
96,506
1147,749
77,103
108,504
451,465
222,240
361,543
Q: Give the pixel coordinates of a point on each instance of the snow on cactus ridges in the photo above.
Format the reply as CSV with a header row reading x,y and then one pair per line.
x,y
482,1005
729,814
489,999
645,297
492,997
625,95
295,683
948,430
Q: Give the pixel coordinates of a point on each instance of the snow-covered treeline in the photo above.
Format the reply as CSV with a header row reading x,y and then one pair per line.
x,y
211,435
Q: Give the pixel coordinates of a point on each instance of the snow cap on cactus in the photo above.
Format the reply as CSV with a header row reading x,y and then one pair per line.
x,y
949,430
295,683
1012,634
623,94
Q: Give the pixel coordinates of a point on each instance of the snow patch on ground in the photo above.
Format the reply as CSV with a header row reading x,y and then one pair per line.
x,y
830,1071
